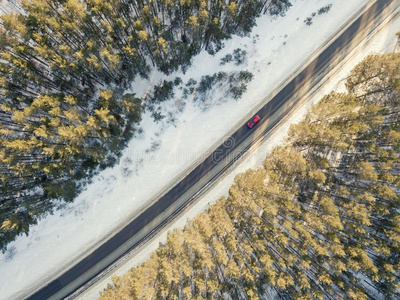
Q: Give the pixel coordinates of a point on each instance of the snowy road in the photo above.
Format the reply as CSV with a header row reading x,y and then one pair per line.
x,y
217,161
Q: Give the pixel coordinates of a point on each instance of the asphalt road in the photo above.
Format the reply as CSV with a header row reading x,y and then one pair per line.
x,y
102,257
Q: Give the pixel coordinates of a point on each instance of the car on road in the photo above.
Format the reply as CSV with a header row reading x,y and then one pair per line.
x,y
253,121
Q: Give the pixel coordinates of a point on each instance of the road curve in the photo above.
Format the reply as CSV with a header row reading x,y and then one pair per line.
x,y
113,249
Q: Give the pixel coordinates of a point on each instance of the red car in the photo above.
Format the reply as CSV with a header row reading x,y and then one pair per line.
x,y
253,121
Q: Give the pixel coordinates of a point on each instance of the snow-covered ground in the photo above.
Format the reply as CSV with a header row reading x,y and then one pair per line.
x,y
10,6
165,150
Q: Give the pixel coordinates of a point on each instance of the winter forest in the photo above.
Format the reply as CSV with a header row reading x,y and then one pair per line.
x,y
64,67
319,220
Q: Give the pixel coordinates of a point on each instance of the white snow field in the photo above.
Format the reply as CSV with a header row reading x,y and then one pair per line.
x,y
10,6
165,150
